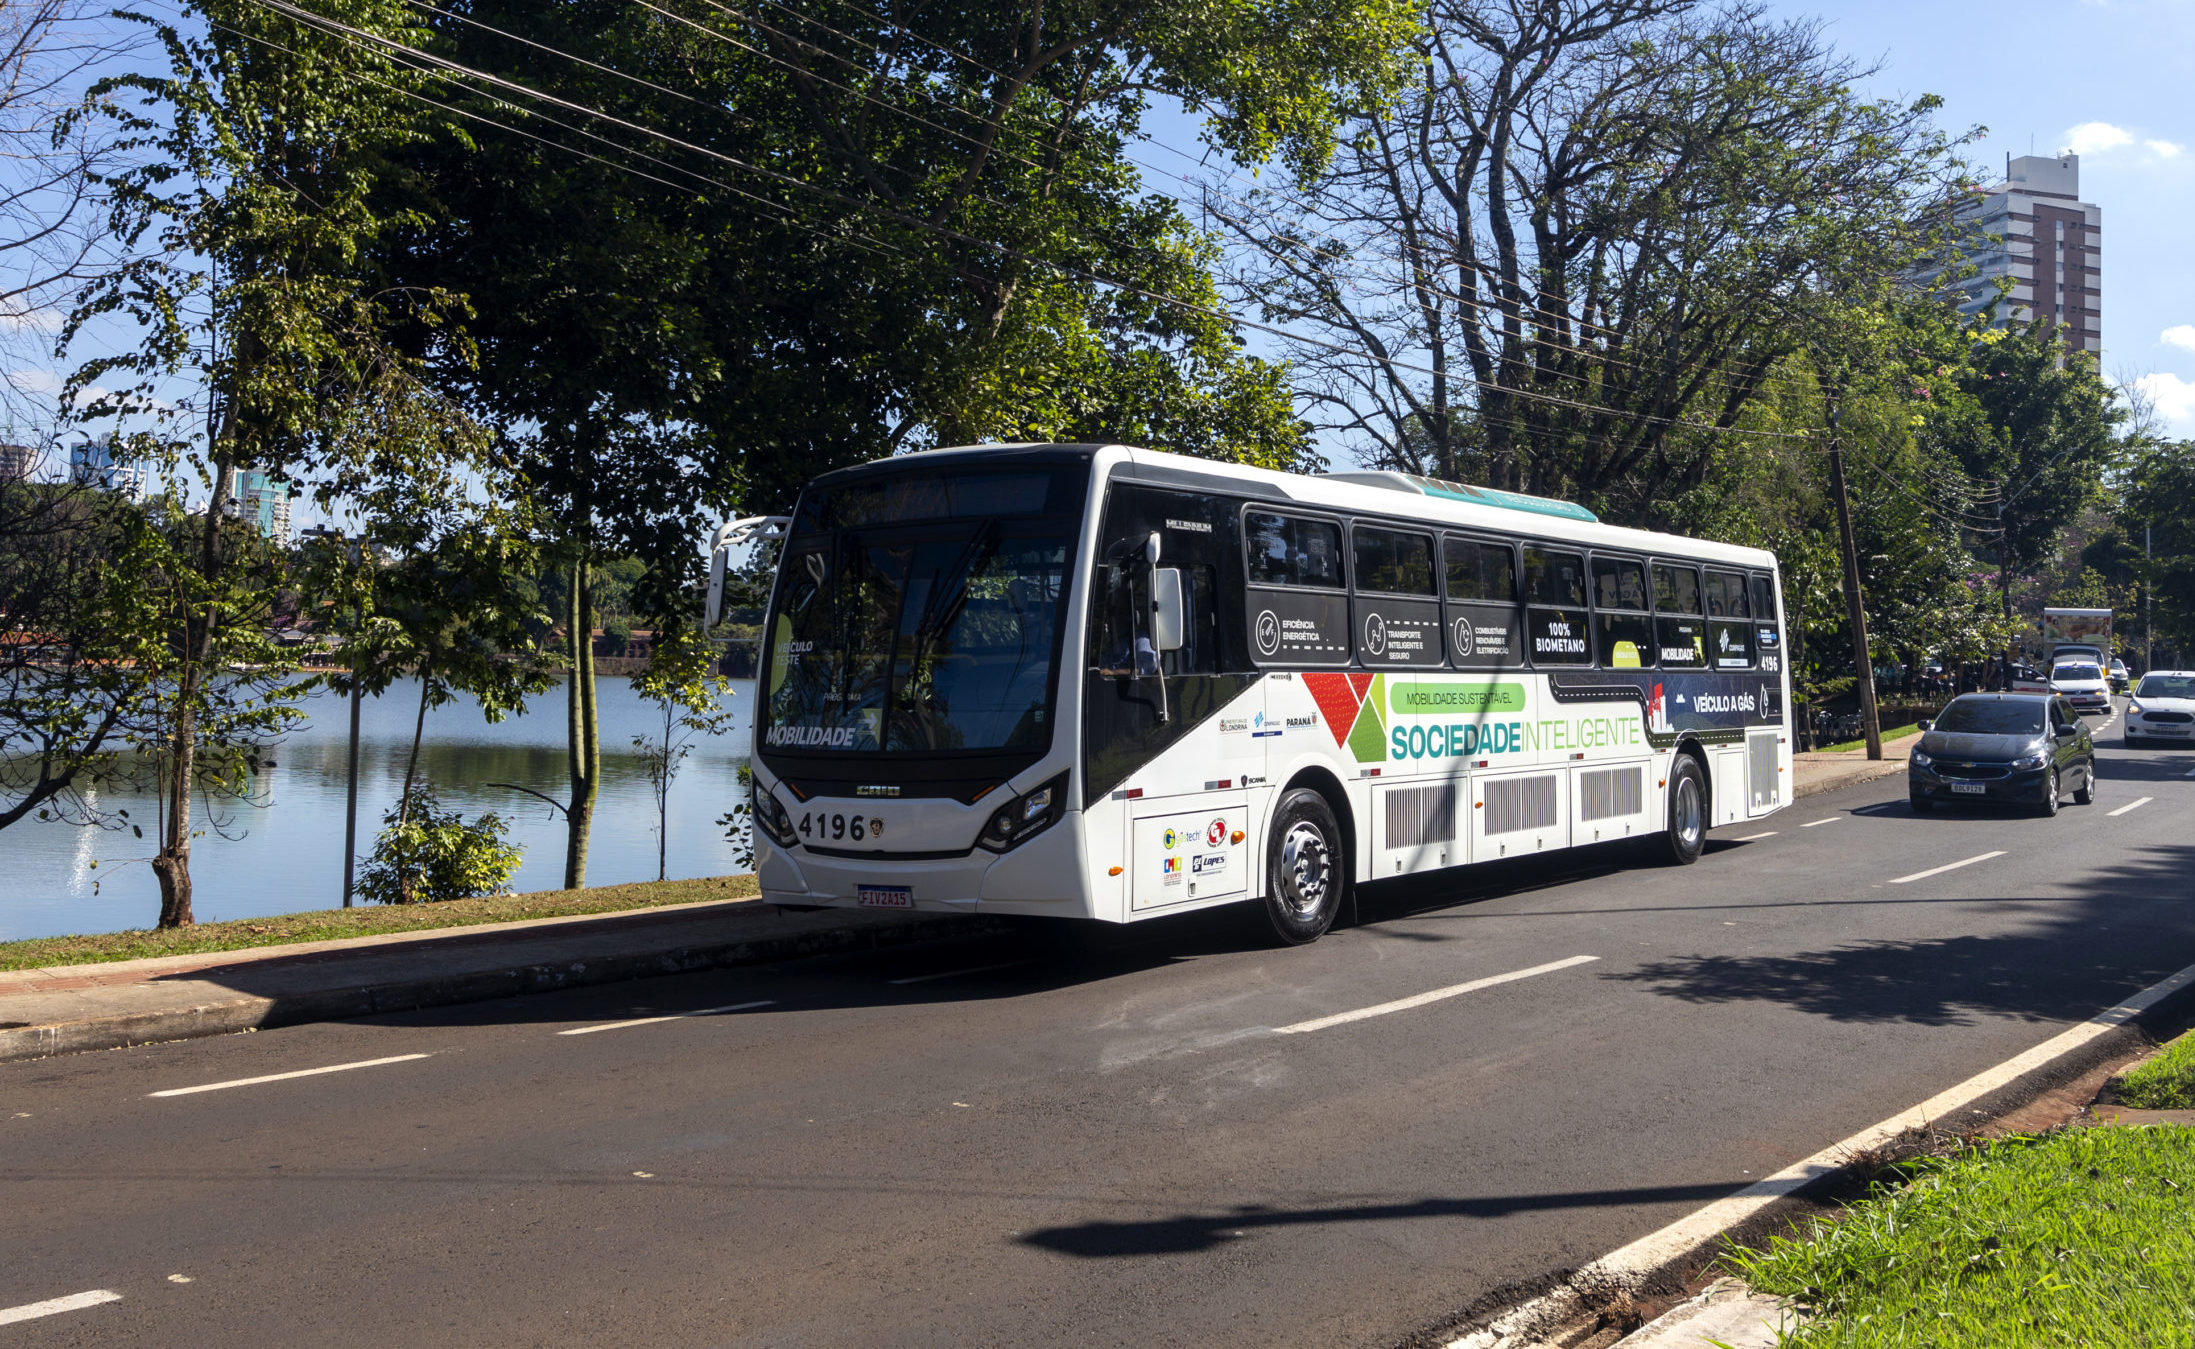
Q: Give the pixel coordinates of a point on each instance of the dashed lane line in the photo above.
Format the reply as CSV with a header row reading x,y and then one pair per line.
x,y
1430,996
1810,824
1948,866
674,1016
284,1077
1755,838
2136,804
74,1302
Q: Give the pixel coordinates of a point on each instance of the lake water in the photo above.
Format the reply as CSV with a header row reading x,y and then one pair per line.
x,y
287,854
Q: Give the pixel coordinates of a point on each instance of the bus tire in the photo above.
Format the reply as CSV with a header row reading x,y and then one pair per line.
x,y
1306,868
1686,832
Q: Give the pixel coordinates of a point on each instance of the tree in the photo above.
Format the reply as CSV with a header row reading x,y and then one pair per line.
x,y
251,168
691,697
77,663
1587,228
838,239
2160,484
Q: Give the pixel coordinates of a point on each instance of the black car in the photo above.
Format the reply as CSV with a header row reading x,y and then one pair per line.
x,y
2016,748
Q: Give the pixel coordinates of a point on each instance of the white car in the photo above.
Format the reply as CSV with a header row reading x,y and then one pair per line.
x,y
2163,709
2083,684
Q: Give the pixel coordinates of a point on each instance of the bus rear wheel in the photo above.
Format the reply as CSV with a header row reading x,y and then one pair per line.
x,y
1686,833
1305,868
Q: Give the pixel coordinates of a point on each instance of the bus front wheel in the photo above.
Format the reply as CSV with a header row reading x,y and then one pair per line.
x,y
1687,830
1304,868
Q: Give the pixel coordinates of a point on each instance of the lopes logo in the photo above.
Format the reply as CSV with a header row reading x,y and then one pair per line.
x,y
1350,705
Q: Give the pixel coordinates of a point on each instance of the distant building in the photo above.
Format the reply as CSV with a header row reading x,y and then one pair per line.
x,y
18,462
2049,243
262,499
92,464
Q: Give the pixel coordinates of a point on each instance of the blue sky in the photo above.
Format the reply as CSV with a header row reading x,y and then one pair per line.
x,y
2108,79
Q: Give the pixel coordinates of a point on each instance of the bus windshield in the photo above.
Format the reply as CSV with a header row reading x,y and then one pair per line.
x,y
921,615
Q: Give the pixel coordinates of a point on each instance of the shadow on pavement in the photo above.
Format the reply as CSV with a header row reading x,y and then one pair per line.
x,y
2138,910
1191,1232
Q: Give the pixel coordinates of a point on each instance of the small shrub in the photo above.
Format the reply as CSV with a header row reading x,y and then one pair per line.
x,y
436,854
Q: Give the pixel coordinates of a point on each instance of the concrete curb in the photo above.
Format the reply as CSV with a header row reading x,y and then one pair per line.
x,y
1875,771
229,1016
1585,1302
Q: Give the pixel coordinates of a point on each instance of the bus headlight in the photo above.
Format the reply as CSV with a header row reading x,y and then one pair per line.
x,y
771,817
1025,816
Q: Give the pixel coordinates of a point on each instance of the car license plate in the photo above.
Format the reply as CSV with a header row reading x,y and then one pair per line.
x,y
886,897
2164,730
1968,788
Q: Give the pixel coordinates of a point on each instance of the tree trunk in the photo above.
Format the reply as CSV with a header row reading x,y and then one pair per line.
x,y
584,746
411,771
171,863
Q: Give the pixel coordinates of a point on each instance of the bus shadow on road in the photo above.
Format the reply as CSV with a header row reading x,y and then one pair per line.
x,y
2133,926
1188,1233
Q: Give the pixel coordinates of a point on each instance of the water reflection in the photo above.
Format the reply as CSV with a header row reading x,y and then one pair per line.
x,y
287,854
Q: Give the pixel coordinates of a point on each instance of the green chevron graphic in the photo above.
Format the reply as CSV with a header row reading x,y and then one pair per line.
x,y
1368,738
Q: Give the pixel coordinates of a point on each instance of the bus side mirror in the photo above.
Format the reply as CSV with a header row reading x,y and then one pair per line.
x,y
1166,608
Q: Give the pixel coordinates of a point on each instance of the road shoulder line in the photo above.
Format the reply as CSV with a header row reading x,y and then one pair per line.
x,y
1660,1257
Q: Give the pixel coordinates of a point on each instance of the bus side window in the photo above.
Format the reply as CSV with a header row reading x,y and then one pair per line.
x,y
1730,633
1767,629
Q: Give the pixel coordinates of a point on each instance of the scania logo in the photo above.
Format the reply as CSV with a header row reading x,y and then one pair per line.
x,y
876,791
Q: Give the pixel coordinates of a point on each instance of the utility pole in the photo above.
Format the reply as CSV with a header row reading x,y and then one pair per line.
x,y
1854,609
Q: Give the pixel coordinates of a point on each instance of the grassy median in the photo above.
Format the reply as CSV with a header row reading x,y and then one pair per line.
x,y
373,920
2081,1237
2166,1082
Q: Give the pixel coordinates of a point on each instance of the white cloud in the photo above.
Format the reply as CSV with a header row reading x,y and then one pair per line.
x,y
2174,399
2095,138
30,320
2163,149
34,381
2179,335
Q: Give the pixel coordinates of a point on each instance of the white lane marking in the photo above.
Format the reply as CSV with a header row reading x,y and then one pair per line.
x,y
1631,1266
1434,995
2136,804
283,1077
31,1311
674,1016
1749,838
1812,823
955,974
1948,866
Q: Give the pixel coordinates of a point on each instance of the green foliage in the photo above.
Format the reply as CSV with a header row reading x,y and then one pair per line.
x,y
2078,1238
2166,1082
429,854
2157,520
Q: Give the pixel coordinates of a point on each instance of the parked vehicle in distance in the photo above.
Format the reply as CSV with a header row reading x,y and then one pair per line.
x,y
2118,675
2163,709
2010,748
2028,679
2083,684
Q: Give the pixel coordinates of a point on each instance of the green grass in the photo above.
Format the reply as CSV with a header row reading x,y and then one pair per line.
x,y
1910,728
2166,1082
326,924
2081,1237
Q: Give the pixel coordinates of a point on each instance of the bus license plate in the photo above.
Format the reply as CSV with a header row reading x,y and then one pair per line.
x,y
886,897
1959,788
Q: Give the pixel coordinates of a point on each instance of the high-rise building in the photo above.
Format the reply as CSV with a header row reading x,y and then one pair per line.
x,y
2047,241
18,462
92,464
262,499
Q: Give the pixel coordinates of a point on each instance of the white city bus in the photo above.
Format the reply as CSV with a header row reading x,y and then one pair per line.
x,y
1101,682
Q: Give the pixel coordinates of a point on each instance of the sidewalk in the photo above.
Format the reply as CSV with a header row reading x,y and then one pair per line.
x,y
66,1009
1815,773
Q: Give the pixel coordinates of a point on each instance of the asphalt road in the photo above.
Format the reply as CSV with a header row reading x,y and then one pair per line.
x,y
1025,1140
